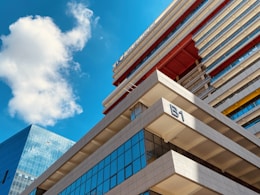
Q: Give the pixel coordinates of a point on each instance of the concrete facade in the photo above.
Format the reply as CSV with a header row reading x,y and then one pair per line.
x,y
184,115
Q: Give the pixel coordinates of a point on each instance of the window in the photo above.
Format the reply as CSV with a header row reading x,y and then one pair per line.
x,y
126,160
137,110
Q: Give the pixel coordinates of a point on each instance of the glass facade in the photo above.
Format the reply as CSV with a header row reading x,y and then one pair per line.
x,y
25,160
119,165
128,159
11,151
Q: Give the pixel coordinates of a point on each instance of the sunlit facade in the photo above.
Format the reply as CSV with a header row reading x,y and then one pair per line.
x,y
184,116
27,155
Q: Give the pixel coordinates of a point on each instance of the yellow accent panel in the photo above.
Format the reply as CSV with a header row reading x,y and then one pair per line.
x,y
242,102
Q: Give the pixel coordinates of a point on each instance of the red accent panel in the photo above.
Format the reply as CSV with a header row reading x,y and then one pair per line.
x,y
113,105
185,42
180,19
180,58
235,56
177,62
195,4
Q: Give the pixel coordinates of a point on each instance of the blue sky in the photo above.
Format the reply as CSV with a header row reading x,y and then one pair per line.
x,y
56,59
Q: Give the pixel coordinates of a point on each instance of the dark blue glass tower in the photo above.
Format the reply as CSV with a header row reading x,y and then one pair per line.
x,y
27,155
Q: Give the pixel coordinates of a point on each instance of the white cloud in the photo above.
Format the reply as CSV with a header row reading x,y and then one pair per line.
x,y
76,38
32,58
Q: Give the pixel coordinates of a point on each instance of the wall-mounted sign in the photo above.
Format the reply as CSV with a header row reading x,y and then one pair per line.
x,y
176,112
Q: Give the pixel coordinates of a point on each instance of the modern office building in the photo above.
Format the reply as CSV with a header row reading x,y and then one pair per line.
x,y
26,155
184,116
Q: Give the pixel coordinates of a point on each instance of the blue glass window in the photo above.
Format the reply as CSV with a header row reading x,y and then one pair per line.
x,y
229,26
128,171
245,109
252,123
121,176
233,49
126,160
244,57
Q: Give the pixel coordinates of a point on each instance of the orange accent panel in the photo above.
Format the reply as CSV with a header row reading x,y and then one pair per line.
x,y
241,102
